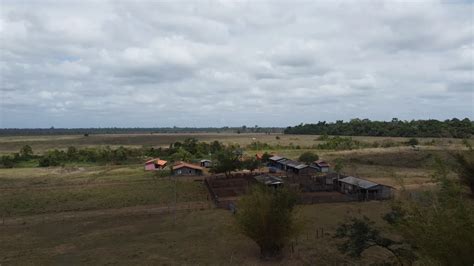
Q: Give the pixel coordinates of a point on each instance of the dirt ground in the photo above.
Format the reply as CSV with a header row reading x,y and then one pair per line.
x,y
197,236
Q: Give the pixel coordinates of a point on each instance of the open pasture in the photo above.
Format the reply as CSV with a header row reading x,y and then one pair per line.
x,y
9,144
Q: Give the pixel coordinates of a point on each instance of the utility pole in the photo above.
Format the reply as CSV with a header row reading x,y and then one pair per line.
x,y
175,197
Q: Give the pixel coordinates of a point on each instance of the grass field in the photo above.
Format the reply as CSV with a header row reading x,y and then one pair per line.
x,y
92,214
198,237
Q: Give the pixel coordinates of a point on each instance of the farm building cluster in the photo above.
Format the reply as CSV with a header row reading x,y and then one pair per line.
x,y
315,181
179,168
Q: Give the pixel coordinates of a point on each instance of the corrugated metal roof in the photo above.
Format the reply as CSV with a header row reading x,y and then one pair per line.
x,y
321,163
276,158
294,164
269,179
301,166
366,184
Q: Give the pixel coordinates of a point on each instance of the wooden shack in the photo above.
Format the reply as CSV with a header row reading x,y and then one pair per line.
x,y
364,189
187,169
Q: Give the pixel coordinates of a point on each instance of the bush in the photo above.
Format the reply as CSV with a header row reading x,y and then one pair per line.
x,y
7,162
48,161
308,157
412,142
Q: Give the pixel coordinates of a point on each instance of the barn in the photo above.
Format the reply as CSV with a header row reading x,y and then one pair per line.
x,y
155,164
296,167
364,189
187,169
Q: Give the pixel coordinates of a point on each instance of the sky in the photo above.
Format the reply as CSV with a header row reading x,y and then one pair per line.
x,y
233,63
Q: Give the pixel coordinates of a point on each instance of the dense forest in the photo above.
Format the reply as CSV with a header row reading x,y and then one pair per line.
x,y
134,130
453,128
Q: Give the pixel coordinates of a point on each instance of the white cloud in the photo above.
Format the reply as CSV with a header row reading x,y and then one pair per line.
x,y
80,63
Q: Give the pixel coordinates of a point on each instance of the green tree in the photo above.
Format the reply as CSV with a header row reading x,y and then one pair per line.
x,y
359,234
338,166
439,223
251,164
266,157
266,215
226,161
26,152
181,155
308,157
71,153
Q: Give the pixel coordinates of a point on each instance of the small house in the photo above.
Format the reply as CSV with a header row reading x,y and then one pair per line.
x,y
269,180
155,164
187,169
296,167
321,166
206,163
274,162
364,189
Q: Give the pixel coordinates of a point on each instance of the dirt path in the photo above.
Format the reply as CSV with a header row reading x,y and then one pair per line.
x,y
79,184
126,211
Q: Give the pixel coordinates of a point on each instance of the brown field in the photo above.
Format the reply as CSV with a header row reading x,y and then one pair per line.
x,y
11,144
89,214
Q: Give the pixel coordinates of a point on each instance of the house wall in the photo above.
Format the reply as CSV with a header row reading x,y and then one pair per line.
x,y
150,167
307,171
206,164
384,192
187,171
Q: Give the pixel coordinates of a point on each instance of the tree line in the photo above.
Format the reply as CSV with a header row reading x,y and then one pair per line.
x,y
226,158
134,130
454,128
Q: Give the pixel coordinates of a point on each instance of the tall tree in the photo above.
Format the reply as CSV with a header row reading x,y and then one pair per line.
x,y
26,152
359,234
251,164
226,161
266,215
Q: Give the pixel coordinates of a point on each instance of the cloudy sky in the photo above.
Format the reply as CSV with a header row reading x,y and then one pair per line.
x,y
218,63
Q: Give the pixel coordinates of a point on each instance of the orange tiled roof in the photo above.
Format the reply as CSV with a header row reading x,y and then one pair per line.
x,y
192,166
157,161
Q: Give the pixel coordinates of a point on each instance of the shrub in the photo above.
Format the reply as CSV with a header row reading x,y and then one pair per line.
x,y
412,142
7,161
308,157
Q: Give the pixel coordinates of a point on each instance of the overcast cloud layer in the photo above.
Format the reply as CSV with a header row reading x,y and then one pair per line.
x,y
217,63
